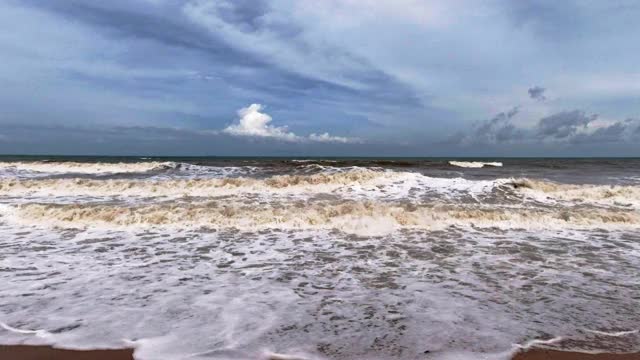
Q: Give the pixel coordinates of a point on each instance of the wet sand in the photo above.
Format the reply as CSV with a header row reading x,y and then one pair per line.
x,y
542,354
24,352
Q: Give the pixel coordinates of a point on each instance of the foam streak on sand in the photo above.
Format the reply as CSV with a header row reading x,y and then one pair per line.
x,y
39,333
615,333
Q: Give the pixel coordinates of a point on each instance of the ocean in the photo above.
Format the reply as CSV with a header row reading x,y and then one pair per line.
x,y
310,258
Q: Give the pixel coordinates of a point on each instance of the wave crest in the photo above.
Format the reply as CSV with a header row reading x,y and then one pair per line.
x,y
474,164
544,191
87,168
187,187
348,183
365,218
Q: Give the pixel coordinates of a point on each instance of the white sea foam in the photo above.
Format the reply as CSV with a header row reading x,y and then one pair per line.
x,y
39,333
354,263
356,183
86,168
547,191
231,295
537,342
184,304
474,164
313,160
348,183
614,333
363,218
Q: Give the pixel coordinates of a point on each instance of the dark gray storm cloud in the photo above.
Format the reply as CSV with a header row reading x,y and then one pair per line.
x,y
618,132
496,130
566,127
537,93
611,133
499,129
560,128
563,124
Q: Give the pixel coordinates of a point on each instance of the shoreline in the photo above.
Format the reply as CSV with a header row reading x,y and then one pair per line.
x,y
546,354
42,352
45,352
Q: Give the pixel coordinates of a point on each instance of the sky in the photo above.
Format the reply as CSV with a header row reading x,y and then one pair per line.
x,y
313,78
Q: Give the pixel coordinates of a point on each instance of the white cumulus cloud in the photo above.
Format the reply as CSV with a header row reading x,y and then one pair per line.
x,y
254,123
328,138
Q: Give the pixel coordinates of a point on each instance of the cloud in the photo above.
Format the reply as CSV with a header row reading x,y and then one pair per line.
x,y
276,38
564,124
537,93
574,126
256,124
158,56
611,133
498,129
547,19
620,131
156,62
152,140
253,123
325,137
565,127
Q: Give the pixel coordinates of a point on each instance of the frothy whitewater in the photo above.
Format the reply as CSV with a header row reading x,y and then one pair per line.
x,y
320,259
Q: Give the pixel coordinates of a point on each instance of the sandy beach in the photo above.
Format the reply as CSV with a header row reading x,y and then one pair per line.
x,y
542,354
24,352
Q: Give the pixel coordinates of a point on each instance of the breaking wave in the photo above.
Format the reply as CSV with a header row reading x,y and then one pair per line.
x,y
187,187
87,168
616,195
347,183
358,217
474,164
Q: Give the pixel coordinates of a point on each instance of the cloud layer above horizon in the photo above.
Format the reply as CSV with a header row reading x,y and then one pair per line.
x,y
336,77
253,123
